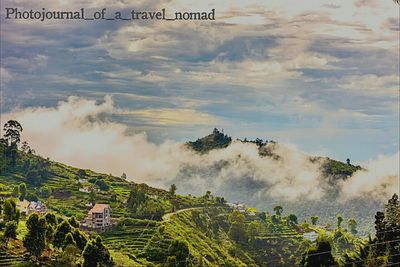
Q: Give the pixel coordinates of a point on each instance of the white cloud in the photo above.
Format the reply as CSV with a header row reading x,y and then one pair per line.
x,y
379,180
372,84
76,132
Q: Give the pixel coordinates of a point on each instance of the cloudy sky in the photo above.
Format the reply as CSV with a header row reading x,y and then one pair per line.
x,y
323,75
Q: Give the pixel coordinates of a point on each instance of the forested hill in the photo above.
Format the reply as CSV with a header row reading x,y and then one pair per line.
x,y
215,140
219,140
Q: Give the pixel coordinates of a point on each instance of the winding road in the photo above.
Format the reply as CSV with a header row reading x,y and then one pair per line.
x,y
167,216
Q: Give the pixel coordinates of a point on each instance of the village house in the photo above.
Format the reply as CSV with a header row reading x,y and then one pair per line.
x,y
98,218
85,189
37,207
241,207
311,236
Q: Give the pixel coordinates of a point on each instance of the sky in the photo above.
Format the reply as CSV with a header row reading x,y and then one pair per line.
x,y
319,75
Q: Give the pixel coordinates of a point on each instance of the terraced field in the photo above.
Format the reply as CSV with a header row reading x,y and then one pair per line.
x,y
283,231
278,240
9,260
129,240
12,257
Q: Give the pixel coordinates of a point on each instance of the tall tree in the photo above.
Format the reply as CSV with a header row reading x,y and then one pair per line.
x,y
319,255
10,230
10,210
13,131
96,254
278,210
292,218
22,191
253,230
314,220
35,238
339,220
237,229
179,253
172,189
352,225
11,139
62,230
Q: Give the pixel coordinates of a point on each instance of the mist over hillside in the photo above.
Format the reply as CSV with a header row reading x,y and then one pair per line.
x,y
266,174
261,174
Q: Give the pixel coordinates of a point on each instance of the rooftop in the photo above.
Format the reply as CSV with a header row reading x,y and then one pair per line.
x,y
99,208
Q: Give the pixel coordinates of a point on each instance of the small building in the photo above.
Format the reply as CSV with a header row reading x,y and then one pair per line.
x,y
241,207
311,236
85,189
99,217
37,207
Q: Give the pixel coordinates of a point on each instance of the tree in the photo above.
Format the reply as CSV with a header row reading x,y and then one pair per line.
x,y
10,230
172,189
51,218
150,209
262,216
69,240
69,256
352,225
81,173
15,191
319,255
314,220
137,196
35,238
123,176
33,177
387,227
10,210
62,230
339,220
179,251
96,254
237,230
13,131
278,210
293,218
253,230
80,239
22,191
73,222
26,148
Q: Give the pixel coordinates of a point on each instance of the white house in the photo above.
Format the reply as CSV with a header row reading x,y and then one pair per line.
x,y
311,236
99,217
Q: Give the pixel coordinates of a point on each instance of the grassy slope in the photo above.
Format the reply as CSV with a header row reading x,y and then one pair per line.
x,y
126,243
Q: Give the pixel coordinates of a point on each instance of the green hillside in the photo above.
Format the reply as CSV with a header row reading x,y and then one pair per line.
x,y
155,227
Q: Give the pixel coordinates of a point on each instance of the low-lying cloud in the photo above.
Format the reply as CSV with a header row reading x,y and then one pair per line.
x,y
80,132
